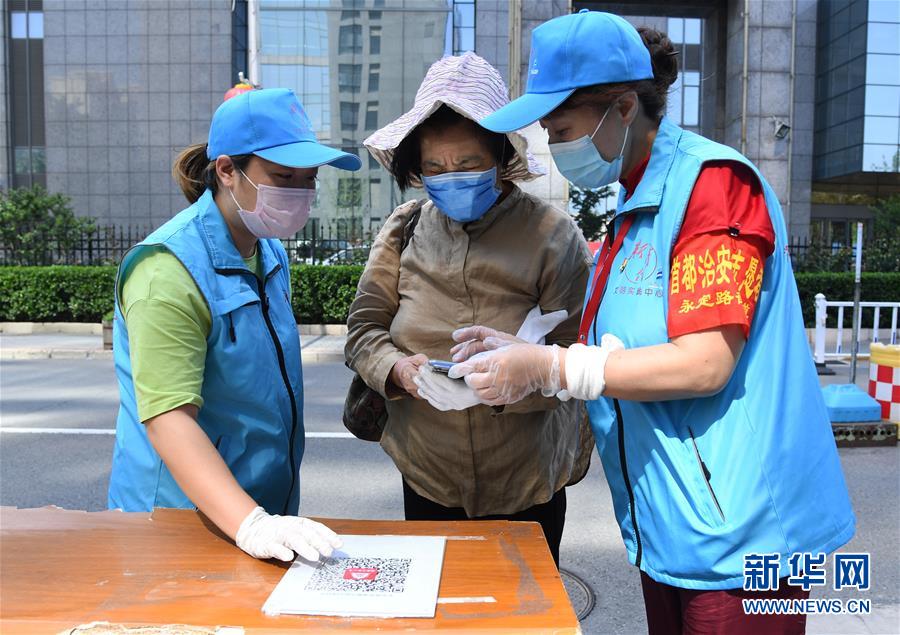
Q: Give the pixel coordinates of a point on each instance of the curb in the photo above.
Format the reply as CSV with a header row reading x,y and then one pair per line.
x,y
90,328
95,353
44,328
55,353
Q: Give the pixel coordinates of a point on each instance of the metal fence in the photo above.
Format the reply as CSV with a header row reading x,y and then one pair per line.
x,y
107,245
314,245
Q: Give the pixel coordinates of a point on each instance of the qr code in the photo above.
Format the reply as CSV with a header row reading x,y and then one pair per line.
x,y
366,575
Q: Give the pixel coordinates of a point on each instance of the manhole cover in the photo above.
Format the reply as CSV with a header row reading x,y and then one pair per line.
x,y
580,594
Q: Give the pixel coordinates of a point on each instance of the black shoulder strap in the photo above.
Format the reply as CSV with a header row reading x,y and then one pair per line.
x,y
411,223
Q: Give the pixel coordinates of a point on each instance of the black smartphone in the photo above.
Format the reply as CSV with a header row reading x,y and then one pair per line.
x,y
439,366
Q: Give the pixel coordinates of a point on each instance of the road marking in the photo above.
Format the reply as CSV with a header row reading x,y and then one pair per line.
x,y
59,430
112,431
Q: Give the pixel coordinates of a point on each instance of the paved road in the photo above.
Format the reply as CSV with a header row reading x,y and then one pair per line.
x,y
354,479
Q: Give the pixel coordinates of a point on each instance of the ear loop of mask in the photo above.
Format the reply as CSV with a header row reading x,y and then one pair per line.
x,y
255,187
624,141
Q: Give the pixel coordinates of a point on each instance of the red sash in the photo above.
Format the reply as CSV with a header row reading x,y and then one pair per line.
x,y
601,276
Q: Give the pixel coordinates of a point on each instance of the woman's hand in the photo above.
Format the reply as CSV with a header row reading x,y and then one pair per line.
x,y
507,373
404,372
471,341
264,535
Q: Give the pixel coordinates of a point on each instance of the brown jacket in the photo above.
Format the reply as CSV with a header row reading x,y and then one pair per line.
x,y
522,253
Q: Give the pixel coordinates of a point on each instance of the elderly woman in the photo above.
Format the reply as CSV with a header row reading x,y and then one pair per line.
x,y
478,250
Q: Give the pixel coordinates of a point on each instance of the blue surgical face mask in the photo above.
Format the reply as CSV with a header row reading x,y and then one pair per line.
x,y
463,196
582,164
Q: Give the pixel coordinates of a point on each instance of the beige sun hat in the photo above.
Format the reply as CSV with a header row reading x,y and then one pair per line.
x,y
473,88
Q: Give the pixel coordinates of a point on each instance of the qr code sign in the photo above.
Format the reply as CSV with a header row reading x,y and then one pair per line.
x,y
366,575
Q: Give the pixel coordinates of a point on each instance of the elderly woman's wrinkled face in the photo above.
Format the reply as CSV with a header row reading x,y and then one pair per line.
x,y
459,147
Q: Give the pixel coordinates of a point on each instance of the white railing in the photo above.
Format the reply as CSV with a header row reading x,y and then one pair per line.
x,y
822,306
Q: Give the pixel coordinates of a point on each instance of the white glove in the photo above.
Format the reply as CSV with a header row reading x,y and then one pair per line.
x,y
536,325
586,368
507,373
264,535
442,392
533,330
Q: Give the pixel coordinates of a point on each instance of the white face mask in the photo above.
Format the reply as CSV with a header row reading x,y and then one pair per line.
x,y
280,211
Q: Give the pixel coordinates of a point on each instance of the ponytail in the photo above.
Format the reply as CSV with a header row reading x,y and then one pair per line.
x,y
193,172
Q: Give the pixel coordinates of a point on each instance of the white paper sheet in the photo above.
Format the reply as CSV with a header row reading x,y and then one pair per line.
x,y
371,576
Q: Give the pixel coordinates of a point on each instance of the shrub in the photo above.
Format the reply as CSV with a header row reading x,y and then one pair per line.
x,y
56,294
321,294
875,287
37,228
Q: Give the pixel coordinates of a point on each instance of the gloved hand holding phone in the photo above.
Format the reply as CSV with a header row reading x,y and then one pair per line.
x,y
445,393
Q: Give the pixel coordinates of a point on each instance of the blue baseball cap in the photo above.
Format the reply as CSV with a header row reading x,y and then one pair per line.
x,y
272,124
567,53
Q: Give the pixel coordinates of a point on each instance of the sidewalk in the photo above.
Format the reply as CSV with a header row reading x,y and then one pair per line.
x,y
314,348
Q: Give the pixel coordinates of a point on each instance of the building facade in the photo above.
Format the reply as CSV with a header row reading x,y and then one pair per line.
x,y
99,96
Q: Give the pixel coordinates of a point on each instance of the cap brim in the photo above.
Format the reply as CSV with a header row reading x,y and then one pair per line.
x,y
309,154
524,111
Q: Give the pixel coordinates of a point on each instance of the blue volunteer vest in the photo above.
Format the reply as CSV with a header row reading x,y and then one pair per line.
x,y
252,383
698,483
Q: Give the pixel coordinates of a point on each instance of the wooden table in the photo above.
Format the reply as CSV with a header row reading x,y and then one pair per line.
x,y
60,569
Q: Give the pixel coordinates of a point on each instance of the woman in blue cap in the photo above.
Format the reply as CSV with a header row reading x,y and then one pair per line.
x,y
205,344
702,394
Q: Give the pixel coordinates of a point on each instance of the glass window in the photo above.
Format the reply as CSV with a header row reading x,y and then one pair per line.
x,y
300,44
463,26
373,162
881,158
684,96
349,115
311,83
882,100
882,129
883,38
856,42
350,38
692,31
31,160
374,15
349,77
463,40
675,30
463,13
349,192
26,25
375,40
349,15
293,32
691,115
884,11
883,69
19,28
372,115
